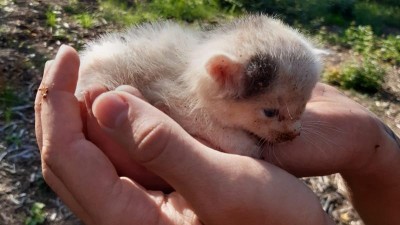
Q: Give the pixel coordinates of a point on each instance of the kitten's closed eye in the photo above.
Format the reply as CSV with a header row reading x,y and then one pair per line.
x,y
271,112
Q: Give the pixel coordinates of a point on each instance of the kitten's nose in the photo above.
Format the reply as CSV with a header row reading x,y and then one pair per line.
x,y
296,128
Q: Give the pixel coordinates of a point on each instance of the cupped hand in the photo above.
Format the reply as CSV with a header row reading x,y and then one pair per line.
x,y
338,135
211,187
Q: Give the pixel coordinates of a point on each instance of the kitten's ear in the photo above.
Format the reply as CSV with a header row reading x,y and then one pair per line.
x,y
225,71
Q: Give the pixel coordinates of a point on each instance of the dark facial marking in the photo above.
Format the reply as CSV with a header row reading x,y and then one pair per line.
x,y
259,74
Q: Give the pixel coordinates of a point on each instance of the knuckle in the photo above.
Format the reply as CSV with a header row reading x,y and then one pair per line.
x,y
152,140
48,176
47,153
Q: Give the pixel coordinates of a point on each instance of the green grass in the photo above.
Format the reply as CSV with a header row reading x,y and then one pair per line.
x,y
187,10
13,139
366,76
377,15
363,41
182,10
312,14
37,214
358,26
51,18
375,55
121,14
389,49
359,38
85,20
8,99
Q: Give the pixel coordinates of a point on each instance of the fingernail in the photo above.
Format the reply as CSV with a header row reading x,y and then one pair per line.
x,y
110,110
60,50
47,66
48,63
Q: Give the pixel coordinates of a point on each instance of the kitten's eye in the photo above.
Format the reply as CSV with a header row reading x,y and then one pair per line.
x,y
271,112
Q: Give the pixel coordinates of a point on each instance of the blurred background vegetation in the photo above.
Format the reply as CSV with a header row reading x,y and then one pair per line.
x,y
362,37
368,28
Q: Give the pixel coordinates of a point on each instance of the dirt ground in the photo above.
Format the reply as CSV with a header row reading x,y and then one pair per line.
x,y
26,42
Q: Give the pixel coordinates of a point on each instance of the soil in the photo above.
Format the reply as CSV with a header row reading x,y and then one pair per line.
x,y
27,41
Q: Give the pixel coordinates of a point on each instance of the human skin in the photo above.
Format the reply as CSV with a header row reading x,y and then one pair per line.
x,y
211,187
350,140
341,136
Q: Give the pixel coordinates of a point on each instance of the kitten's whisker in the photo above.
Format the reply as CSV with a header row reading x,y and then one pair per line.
x,y
262,149
287,108
323,138
276,157
318,124
320,128
260,145
309,140
323,130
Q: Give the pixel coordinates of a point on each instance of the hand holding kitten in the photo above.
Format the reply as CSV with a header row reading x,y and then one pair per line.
x,y
212,187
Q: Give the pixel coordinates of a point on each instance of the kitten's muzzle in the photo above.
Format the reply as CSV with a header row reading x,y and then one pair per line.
x,y
287,136
275,137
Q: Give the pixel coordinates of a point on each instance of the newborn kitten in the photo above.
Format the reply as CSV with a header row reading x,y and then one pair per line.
x,y
239,87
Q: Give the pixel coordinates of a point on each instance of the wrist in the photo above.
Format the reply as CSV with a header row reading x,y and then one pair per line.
x,y
381,160
374,187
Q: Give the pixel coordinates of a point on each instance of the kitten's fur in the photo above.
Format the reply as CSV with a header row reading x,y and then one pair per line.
x,y
239,86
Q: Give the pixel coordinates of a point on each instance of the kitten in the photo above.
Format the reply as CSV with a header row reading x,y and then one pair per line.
x,y
240,86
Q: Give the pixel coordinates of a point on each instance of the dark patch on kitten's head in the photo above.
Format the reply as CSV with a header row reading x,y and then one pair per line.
x,y
260,73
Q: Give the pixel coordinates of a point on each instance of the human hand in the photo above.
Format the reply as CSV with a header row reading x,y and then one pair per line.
x,y
338,135
211,187
341,136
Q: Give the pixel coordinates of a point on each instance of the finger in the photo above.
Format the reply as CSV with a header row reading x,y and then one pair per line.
x,y
63,140
38,103
47,66
57,100
85,104
84,171
124,164
131,90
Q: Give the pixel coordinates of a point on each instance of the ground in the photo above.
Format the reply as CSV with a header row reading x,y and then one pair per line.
x,y
27,41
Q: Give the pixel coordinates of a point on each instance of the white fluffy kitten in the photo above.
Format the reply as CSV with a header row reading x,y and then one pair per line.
x,y
240,86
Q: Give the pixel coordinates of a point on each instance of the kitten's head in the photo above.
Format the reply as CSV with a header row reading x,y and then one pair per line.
x,y
259,78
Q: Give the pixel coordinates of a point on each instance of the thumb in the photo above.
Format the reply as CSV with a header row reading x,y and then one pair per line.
x,y
155,141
